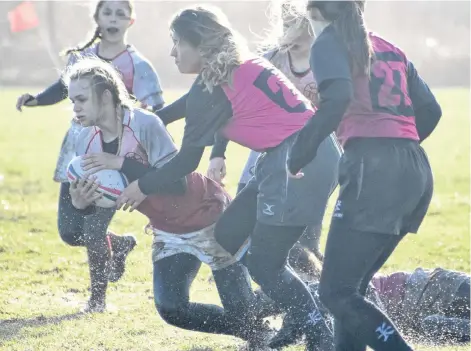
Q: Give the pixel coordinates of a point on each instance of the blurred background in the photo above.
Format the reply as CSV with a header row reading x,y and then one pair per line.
x,y
434,34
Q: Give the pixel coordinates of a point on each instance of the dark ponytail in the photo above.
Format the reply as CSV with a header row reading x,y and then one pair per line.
x,y
348,21
96,36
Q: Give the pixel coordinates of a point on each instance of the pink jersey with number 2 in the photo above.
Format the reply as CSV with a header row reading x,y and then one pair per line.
x,y
381,106
266,107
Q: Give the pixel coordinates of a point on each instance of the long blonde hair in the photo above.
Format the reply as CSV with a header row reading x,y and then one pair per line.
x,y
222,48
277,38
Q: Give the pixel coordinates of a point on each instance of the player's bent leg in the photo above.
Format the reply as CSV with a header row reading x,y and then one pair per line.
x,y
121,247
237,222
266,262
95,228
69,222
173,276
239,302
343,339
342,275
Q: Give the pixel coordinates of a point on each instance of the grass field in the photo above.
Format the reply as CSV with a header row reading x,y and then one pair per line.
x,y
43,282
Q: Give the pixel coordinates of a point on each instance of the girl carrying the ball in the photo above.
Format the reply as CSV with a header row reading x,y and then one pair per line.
x,y
182,213
113,20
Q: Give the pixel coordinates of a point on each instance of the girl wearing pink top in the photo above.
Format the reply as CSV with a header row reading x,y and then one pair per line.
x,y
245,99
381,109
288,48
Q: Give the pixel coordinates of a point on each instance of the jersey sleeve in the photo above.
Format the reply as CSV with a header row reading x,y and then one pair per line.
x,y
329,62
57,91
173,112
329,58
419,92
206,114
146,84
155,139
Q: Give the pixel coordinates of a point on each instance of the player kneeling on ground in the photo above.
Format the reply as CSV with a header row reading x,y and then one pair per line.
x,y
182,214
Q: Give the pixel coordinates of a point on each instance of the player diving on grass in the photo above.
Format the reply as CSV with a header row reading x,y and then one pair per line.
x,y
182,212
248,101
113,20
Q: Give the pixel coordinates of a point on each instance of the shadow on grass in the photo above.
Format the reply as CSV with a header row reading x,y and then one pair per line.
x,y
9,328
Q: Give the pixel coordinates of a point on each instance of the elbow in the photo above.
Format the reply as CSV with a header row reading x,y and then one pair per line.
x,y
339,95
438,111
345,96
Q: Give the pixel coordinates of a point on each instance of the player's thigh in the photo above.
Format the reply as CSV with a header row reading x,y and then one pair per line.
x,y
172,278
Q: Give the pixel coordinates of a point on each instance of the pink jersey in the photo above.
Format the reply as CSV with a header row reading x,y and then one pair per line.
x,y
381,106
261,97
137,73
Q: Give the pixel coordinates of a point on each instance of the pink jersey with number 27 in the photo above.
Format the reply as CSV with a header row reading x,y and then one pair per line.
x,y
381,106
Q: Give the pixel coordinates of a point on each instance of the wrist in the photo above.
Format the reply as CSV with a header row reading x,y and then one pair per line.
x,y
145,184
216,154
79,205
119,163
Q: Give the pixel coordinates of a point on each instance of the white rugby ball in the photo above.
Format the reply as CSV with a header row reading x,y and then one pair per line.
x,y
112,182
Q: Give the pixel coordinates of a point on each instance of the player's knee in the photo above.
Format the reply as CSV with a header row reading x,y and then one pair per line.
x,y
261,272
333,296
171,313
70,237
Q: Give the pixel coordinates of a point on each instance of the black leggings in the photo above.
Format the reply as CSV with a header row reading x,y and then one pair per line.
x,y
310,239
173,277
351,260
267,259
78,229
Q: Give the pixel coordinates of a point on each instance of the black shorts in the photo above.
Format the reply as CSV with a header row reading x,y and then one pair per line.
x,y
295,202
386,186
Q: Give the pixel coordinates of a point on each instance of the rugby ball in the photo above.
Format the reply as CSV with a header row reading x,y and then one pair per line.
x,y
112,182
